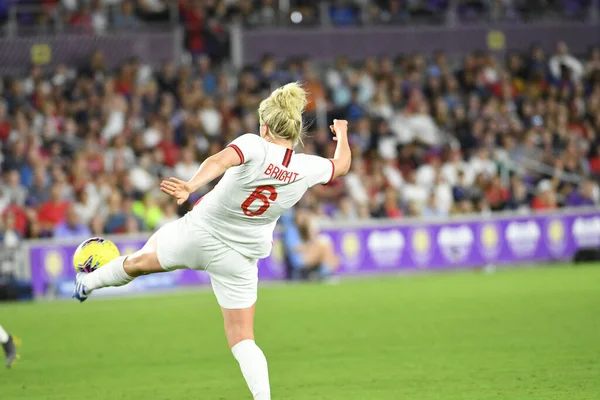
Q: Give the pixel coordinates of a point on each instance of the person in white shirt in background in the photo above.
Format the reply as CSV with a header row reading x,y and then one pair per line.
x,y
454,165
562,57
140,176
423,126
387,146
153,135
210,118
481,163
13,189
85,207
366,83
120,152
444,200
380,106
400,127
419,126
387,164
187,166
117,106
355,183
413,192
99,17
427,173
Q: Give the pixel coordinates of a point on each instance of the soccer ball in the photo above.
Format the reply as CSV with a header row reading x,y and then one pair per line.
x,y
94,253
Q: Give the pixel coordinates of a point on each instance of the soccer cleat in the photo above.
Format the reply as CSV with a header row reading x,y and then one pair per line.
x,y
10,350
80,292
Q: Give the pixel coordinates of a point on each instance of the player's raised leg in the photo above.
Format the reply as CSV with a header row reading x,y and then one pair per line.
x,y
119,271
9,345
239,329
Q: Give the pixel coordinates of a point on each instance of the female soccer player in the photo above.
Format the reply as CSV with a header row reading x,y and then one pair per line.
x,y
231,228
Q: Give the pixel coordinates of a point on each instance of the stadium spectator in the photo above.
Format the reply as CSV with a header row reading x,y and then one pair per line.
x,y
519,199
343,13
187,167
54,211
583,197
9,237
546,198
81,19
13,190
125,18
496,194
396,12
85,207
390,205
265,14
99,17
71,227
564,66
39,192
307,254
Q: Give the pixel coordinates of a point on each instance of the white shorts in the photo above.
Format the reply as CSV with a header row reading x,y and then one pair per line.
x,y
183,244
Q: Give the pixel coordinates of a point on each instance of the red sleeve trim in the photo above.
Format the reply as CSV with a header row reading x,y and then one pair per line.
x,y
239,152
332,172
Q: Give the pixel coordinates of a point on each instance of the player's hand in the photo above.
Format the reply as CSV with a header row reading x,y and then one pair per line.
x,y
176,188
339,127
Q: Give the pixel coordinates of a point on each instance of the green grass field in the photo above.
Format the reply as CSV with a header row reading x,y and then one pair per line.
x,y
514,335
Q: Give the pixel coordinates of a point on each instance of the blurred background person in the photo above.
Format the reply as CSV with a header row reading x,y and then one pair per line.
x,y
307,254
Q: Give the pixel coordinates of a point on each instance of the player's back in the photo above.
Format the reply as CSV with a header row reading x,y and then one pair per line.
x,y
244,207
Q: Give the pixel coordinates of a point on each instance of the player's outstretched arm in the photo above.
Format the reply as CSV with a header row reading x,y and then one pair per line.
x,y
343,156
213,167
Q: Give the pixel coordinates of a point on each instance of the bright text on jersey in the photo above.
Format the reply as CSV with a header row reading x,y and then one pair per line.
x,y
281,174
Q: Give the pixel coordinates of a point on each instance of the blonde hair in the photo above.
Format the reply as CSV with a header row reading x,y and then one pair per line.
x,y
282,112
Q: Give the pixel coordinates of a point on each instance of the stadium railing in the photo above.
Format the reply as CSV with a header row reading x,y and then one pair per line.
x,y
367,247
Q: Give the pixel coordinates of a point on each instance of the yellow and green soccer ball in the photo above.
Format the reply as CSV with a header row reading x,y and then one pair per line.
x,y
94,253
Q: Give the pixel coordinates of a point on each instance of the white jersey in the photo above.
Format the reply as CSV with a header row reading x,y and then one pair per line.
x,y
243,209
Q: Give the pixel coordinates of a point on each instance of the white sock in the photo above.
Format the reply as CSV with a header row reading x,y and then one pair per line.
x,y
111,274
254,368
3,335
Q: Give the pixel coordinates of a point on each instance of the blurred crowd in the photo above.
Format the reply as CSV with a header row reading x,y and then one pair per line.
x,y
87,15
206,23
355,12
83,149
97,15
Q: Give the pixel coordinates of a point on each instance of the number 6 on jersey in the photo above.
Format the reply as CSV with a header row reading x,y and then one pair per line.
x,y
258,195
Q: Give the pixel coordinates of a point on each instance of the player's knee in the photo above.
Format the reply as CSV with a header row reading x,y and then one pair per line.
x,y
132,266
139,264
